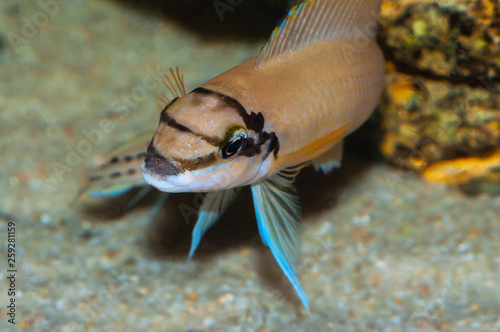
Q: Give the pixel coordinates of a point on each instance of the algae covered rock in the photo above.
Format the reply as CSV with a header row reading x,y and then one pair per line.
x,y
442,96
457,40
428,120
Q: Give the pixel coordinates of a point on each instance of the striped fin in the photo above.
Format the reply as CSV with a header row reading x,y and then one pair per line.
x,y
278,212
314,21
213,206
120,174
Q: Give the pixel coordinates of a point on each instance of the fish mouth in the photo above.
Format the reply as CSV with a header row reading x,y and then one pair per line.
x,y
157,164
162,174
171,183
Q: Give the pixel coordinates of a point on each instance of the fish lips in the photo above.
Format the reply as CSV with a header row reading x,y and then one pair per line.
x,y
163,174
159,165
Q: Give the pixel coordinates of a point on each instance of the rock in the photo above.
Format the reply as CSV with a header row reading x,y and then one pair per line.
x,y
452,40
442,96
426,120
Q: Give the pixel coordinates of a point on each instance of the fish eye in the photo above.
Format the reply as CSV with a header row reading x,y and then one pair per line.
x,y
234,144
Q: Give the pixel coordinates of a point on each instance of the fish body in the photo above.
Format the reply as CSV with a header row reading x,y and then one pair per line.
x,y
308,94
317,80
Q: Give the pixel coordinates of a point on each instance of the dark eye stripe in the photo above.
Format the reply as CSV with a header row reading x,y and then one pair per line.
x,y
253,121
171,122
198,162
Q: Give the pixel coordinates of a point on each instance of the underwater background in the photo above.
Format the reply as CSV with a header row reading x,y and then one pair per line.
x,y
404,237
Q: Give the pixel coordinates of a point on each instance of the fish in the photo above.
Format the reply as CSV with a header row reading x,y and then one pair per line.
x,y
318,78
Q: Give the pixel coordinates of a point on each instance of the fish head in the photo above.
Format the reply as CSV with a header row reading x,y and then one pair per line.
x,y
205,141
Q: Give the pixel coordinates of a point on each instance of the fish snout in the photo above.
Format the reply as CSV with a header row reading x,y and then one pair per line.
x,y
158,165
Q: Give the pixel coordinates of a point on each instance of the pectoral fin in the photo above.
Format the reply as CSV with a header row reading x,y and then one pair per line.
x,y
313,150
278,212
330,160
213,206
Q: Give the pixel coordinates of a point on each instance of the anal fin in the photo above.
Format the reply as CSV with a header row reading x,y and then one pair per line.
x,y
214,205
330,160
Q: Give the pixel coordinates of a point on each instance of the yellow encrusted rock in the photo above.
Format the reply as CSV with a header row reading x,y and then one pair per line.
x,y
442,97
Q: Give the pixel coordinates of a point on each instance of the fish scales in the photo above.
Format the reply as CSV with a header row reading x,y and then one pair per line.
x,y
311,92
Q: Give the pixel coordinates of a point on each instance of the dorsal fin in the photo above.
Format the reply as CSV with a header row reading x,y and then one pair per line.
x,y
314,21
175,87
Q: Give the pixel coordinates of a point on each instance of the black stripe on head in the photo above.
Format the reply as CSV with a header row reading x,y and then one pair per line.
x,y
253,121
169,121
198,162
166,119
252,148
168,105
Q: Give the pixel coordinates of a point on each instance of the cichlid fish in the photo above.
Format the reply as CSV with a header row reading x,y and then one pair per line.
x,y
319,78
